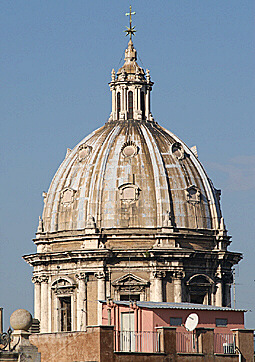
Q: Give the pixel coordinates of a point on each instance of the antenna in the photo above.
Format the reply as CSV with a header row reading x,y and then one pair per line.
x,y
191,322
234,286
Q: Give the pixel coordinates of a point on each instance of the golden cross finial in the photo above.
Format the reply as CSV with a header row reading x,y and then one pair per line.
x,y
131,30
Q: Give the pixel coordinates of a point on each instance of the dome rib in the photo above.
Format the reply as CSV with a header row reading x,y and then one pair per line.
x,y
163,181
211,197
159,171
101,173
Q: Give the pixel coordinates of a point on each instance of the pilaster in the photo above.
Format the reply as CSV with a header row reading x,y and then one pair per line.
x,y
37,297
44,304
157,292
100,275
177,279
81,302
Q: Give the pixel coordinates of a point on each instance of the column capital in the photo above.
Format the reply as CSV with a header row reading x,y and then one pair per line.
x,y
36,280
100,275
178,275
158,274
44,279
80,276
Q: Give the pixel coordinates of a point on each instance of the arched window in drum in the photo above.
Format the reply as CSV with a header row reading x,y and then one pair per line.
x,y
118,105
143,105
130,105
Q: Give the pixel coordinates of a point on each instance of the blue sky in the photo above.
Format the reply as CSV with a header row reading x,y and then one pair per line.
x,y
55,65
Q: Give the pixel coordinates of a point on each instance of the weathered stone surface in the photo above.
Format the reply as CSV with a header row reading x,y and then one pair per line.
x,y
21,319
130,199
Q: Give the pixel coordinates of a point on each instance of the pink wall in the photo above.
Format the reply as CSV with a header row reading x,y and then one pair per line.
x,y
206,318
148,319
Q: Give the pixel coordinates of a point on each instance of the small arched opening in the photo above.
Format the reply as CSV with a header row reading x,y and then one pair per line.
x,y
130,105
118,105
143,105
200,289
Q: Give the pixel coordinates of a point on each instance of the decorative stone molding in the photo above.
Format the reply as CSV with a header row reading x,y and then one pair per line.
x,y
40,228
36,280
178,151
44,195
44,279
178,275
83,152
67,196
130,283
194,150
129,192
200,279
81,276
63,285
100,275
159,274
148,77
113,75
68,151
129,149
168,220
122,75
193,194
91,228
90,223
222,228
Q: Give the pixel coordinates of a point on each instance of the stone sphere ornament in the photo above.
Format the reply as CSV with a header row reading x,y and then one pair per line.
x,y
21,319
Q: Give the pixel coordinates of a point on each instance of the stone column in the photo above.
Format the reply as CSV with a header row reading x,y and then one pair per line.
x,y
100,294
113,101
81,302
125,102
37,297
147,103
135,100
228,294
158,289
177,279
218,295
139,98
44,304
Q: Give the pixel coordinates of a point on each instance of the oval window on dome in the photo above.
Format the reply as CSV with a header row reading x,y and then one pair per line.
x,y
83,151
129,149
178,151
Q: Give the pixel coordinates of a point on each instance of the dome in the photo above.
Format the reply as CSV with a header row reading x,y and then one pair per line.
x,y
130,215
131,174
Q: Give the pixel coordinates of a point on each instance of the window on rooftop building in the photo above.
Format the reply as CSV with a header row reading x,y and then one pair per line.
x,y
174,321
221,322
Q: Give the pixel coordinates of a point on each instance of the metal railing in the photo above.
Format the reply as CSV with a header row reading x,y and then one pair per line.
x,y
129,341
224,343
186,342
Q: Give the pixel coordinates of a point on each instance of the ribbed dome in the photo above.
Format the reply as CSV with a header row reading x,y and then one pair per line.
x,y
132,174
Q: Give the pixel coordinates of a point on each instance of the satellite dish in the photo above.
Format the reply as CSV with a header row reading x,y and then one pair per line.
x,y
191,322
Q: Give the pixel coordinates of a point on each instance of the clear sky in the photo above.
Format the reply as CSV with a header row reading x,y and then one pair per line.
x,y
55,65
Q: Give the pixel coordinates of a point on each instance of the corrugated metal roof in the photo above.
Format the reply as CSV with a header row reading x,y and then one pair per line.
x,y
165,305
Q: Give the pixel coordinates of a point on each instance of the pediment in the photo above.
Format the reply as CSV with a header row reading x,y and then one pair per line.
x,y
130,279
